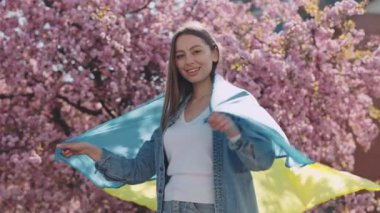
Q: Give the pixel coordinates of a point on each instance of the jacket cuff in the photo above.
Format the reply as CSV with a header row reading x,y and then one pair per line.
x,y
236,142
102,164
235,139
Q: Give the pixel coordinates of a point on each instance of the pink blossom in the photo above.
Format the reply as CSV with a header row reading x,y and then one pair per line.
x,y
116,58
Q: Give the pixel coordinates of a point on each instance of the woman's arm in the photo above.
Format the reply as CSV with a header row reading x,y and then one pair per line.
x,y
115,167
132,171
80,148
254,150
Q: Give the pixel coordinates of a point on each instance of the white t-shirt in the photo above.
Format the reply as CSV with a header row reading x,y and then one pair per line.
x,y
188,147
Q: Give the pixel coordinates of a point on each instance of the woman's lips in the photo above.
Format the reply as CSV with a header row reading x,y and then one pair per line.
x,y
192,72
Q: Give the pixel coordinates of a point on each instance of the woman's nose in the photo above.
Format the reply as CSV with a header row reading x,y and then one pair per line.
x,y
189,59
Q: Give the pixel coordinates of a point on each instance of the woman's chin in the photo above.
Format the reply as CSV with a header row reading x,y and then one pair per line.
x,y
197,79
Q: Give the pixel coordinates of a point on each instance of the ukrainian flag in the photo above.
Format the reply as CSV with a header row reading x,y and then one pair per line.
x,y
293,184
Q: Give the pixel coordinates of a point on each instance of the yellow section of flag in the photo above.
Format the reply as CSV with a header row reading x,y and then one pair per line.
x,y
143,194
293,190
279,189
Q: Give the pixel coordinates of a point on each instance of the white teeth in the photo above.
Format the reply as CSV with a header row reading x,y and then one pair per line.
x,y
193,70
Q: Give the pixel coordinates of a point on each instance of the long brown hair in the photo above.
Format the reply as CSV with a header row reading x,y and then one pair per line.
x,y
177,88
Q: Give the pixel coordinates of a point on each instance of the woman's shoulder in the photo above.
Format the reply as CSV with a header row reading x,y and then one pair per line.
x,y
156,133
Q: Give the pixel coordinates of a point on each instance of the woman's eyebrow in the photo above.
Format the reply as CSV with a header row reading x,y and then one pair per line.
x,y
195,46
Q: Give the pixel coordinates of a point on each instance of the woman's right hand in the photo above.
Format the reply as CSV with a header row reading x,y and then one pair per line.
x,y
78,148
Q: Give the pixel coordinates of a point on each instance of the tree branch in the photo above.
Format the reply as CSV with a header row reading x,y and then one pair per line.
x,y
79,107
194,4
48,3
7,150
109,112
56,112
10,96
142,8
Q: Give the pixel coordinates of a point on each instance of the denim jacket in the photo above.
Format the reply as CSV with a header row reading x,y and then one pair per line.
x,y
232,166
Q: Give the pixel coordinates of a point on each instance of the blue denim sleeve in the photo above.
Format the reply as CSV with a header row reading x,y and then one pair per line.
x,y
255,152
131,171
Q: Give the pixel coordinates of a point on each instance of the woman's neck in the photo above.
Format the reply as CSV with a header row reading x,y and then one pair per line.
x,y
202,89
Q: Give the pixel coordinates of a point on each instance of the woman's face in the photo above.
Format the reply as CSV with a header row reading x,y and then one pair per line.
x,y
194,58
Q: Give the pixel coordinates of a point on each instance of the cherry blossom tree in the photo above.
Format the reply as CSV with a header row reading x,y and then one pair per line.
x,y
68,65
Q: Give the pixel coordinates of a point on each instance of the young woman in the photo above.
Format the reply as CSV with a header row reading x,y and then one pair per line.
x,y
202,158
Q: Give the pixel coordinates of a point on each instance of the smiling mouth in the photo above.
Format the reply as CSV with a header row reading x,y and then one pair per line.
x,y
192,71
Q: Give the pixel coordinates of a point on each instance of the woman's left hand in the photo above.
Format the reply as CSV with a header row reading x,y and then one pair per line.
x,y
223,123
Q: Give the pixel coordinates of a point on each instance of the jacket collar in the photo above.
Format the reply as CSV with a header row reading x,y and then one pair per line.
x,y
222,92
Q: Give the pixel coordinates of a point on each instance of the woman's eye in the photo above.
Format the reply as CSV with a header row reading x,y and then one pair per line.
x,y
197,51
179,56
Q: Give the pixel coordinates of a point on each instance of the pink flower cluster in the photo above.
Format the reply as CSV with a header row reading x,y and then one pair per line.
x,y
69,65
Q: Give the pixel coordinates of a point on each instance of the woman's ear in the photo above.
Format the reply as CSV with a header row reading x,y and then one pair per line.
x,y
215,54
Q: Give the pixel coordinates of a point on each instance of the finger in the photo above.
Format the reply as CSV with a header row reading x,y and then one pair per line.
x,y
67,153
61,146
217,119
64,146
214,123
218,125
211,118
224,126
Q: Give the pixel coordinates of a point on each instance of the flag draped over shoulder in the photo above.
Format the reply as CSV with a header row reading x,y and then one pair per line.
x,y
293,184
